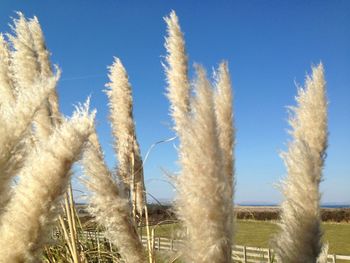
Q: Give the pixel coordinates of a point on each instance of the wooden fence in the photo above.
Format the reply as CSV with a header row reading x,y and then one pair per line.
x,y
243,254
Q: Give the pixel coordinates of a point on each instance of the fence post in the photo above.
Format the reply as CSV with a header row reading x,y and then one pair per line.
x,y
151,243
244,255
152,246
171,244
268,255
158,243
334,258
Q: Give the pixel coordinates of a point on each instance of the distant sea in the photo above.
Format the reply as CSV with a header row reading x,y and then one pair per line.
x,y
324,205
273,205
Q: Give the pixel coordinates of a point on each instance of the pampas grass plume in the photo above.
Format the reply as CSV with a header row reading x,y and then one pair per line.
x,y
6,83
26,93
108,206
300,239
176,70
25,65
130,167
30,62
42,181
226,133
43,55
202,185
204,128
15,123
45,69
120,104
140,189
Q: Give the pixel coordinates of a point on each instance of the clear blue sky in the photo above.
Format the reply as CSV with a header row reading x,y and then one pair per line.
x,y
269,45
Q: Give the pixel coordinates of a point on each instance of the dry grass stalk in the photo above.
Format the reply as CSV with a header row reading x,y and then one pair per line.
x,y
70,233
67,237
109,207
139,193
300,239
42,181
132,186
150,238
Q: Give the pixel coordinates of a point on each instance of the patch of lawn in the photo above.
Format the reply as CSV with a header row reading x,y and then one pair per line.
x,y
254,233
338,237
259,234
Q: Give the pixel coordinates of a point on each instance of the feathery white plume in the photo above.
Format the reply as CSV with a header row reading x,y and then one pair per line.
x,y
108,206
15,123
25,64
300,239
6,82
226,133
42,181
177,73
45,68
126,145
123,128
203,186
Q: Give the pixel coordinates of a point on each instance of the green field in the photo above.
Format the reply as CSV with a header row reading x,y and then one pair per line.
x,y
258,234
